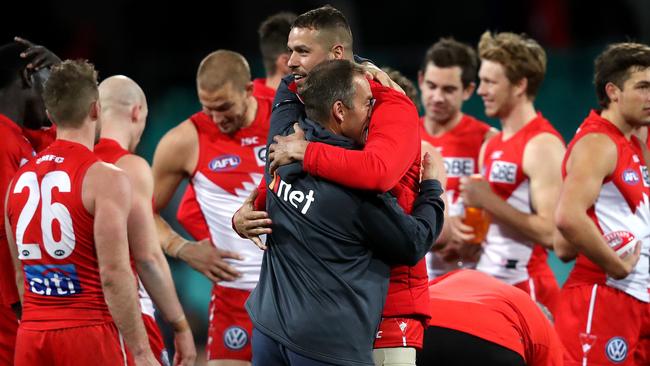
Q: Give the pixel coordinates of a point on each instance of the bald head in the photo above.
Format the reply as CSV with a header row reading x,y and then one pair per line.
x,y
220,68
120,94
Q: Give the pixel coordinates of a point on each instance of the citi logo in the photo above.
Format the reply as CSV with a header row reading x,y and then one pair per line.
x,y
224,163
294,197
630,177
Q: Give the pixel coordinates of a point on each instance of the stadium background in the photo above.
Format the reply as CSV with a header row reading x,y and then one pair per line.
x,y
160,47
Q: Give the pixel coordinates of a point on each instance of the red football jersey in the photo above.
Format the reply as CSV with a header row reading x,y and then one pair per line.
x,y
228,169
507,254
15,151
55,240
477,304
621,212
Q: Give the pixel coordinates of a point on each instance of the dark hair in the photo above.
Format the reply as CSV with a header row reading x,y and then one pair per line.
x,y
326,18
69,92
448,52
11,64
615,64
273,33
404,82
329,82
520,56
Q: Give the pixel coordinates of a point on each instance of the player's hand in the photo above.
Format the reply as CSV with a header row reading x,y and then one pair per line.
x,y
460,232
38,56
287,149
250,223
185,350
630,259
473,191
379,75
146,359
430,170
208,260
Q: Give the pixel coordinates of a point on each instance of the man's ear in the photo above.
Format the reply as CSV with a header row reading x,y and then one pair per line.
x,y
26,77
95,110
338,51
282,64
249,89
420,77
521,86
612,91
338,111
467,92
135,113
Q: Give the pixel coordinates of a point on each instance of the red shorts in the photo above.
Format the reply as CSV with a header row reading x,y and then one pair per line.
x,y
97,345
400,332
599,325
155,339
230,329
543,289
8,329
642,354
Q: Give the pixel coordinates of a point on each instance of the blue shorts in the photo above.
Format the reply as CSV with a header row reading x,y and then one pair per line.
x,y
268,352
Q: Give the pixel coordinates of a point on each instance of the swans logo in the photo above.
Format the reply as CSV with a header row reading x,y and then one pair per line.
x,y
235,338
616,349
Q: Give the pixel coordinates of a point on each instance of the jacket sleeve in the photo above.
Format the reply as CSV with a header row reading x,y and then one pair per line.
x,y
398,238
393,144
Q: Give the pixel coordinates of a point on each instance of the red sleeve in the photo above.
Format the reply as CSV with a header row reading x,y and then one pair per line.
x,y
260,201
393,144
9,158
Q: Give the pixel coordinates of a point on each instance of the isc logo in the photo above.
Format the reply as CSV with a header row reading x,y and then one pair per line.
x,y
459,167
52,280
224,163
503,172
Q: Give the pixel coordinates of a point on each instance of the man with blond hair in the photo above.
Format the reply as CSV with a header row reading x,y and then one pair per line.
x,y
221,150
521,167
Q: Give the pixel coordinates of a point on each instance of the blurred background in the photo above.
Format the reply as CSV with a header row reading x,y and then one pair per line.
x,y
161,46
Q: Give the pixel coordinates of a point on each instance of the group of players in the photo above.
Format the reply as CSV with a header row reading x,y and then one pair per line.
x,y
80,221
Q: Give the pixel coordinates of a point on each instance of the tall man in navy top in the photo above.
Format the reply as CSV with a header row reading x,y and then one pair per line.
x,y
325,272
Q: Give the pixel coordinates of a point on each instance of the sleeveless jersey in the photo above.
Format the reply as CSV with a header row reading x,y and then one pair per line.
x,y
110,151
460,149
55,240
229,168
621,207
507,254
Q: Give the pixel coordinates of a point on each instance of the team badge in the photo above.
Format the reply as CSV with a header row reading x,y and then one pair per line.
x,y
630,177
235,338
224,163
616,349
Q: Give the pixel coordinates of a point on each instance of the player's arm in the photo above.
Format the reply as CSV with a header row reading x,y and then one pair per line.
x,y
393,143
592,159
542,163
402,238
107,195
441,176
13,251
151,265
175,158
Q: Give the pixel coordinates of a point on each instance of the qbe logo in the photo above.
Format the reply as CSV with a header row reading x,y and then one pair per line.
x,y
630,177
224,163
503,172
260,155
53,280
459,167
616,349
235,338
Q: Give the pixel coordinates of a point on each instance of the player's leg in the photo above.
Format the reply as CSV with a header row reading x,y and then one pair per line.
x,y
266,351
444,346
230,329
642,353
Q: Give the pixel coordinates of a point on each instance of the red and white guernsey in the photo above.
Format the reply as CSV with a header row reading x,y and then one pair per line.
x,y
460,149
110,151
228,170
508,255
55,240
621,207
